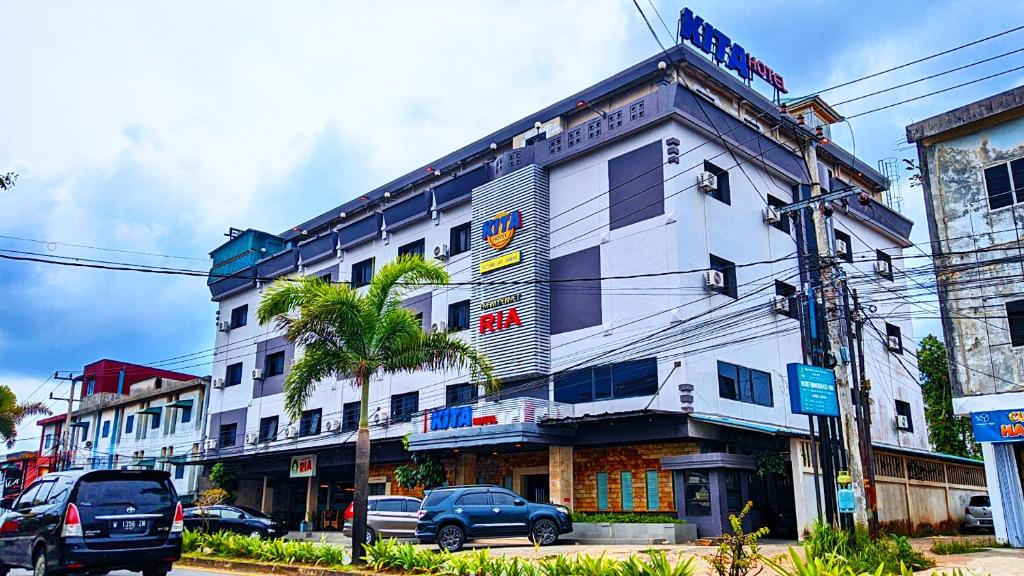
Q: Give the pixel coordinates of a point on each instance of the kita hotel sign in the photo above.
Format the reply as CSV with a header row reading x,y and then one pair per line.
x,y
723,50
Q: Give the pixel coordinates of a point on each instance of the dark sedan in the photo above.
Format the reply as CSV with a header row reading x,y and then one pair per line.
x,y
237,519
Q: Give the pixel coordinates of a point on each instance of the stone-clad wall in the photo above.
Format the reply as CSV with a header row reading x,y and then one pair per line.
x,y
493,469
587,462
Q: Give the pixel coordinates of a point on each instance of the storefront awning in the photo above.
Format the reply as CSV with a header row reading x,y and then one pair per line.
x,y
79,424
747,425
154,410
181,404
145,462
174,459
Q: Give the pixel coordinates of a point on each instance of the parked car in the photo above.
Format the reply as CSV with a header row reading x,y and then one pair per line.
x,y
237,519
452,516
94,522
387,517
978,514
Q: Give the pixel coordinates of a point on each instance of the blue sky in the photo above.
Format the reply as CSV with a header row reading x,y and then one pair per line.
x,y
155,126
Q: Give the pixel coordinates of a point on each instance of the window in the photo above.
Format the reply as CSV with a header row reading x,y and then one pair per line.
x,y
106,429
48,441
129,423
636,186
404,405
473,499
416,248
728,270
350,417
903,409
621,380
733,492
458,316
233,375
1015,315
894,338
721,191
602,490
744,384
309,423
90,387
268,429
626,486
460,239
228,433
158,383
239,316
789,291
186,414
85,431
154,419
883,257
653,498
458,394
391,505
844,245
783,225
273,364
362,273
179,471
697,493
1000,182
502,499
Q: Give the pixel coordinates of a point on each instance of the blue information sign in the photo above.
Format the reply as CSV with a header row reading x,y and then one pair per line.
x,y
812,390
846,500
998,426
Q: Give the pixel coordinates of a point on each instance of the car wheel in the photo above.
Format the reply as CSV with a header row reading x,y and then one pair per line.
x,y
451,538
39,566
256,533
544,532
156,571
370,536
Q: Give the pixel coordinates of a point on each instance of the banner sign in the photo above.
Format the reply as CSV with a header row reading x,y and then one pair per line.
x,y
812,390
998,426
457,417
501,262
303,466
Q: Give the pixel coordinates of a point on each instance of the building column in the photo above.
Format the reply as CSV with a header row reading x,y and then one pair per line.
x,y
311,486
804,517
560,475
265,496
465,469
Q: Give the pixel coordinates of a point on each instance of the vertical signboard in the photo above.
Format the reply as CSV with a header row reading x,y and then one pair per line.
x,y
511,304
812,390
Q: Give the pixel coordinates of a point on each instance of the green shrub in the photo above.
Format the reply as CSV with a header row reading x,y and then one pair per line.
x,y
860,553
625,518
963,545
228,545
738,553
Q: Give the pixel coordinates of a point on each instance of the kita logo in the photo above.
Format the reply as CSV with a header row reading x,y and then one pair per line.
x,y
498,231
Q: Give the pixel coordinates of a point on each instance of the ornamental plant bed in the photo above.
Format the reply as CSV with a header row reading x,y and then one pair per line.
x,y
631,533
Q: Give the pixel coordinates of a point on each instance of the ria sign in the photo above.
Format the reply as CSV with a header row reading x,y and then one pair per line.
x,y
712,41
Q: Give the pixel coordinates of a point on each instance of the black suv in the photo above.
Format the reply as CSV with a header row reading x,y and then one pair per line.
x,y
237,519
94,522
451,516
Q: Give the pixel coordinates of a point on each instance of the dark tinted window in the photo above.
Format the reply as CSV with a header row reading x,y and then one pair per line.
x,y
350,417
268,429
783,224
274,364
436,497
903,409
458,394
458,316
228,432
362,273
61,489
309,423
43,493
1017,168
744,384
412,248
412,505
884,257
111,492
459,241
980,501
621,380
473,499
722,192
895,338
404,405
390,506
844,245
997,184
240,316
252,512
25,500
728,270
233,375
1015,315
502,499
636,186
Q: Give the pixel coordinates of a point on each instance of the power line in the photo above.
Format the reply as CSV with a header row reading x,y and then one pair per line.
x,y
49,243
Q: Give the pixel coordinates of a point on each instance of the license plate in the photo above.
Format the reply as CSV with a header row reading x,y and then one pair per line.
x,y
128,526
986,521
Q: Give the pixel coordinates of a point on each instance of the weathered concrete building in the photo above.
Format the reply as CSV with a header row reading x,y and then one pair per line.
x,y
972,168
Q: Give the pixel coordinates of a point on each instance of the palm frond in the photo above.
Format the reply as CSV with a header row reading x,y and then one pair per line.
x,y
401,276
316,363
443,351
285,295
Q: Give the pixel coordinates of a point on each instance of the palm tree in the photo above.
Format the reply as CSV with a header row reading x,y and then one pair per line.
x,y
12,414
347,333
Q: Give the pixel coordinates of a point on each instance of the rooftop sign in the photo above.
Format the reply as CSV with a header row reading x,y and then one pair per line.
x,y
723,50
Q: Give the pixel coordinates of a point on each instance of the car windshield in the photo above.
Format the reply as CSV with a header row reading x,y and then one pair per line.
x,y
980,501
252,512
116,492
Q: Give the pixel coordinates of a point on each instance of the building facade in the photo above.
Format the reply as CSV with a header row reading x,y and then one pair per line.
x,y
972,170
133,416
616,257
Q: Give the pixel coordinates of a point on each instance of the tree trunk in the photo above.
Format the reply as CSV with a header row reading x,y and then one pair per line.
x,y
362,474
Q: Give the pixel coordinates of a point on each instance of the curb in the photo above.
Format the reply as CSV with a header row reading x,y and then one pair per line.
x,y
263,568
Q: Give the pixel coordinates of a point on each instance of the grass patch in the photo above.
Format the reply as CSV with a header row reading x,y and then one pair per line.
x,y
964,545
859,553
624,518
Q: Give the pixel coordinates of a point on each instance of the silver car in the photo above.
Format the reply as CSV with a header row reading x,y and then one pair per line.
x,y
978,514
387,517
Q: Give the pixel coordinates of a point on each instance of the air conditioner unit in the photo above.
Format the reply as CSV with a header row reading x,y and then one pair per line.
x,y
714,279
882,268
223,326
378,419
894,344
902,422
257,374
291,432
333,425
441,252
842,248
771,215
251,438
217,383
438,327
707,182
211,444
780,304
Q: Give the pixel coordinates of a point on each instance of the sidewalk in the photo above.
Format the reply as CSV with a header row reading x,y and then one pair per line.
x,y
996,562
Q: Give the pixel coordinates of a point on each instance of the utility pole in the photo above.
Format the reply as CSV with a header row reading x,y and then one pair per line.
x,y
864,404
66,436
848,424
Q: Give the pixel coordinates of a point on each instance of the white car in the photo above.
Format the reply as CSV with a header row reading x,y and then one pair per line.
x,y
978,514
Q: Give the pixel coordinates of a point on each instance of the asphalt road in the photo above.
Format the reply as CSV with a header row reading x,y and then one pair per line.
x,y
178,571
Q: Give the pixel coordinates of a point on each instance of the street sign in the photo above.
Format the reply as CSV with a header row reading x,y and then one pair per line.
x,y
812,390
998,426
